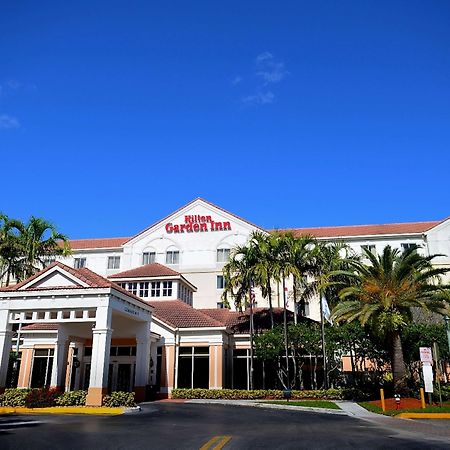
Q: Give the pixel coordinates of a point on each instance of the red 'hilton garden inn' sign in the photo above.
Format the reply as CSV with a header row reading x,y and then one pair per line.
x,y
197,224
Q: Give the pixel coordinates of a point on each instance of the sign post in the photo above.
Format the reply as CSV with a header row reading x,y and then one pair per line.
x,y
426,356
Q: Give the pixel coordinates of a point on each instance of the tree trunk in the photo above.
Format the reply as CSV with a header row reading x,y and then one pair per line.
x,y
397,361
269,293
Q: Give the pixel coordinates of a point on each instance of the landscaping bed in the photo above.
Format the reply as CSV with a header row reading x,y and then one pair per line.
x,y
260,394
326,404
407,405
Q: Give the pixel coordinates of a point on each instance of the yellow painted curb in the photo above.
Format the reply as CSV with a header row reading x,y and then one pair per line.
x,y
61,410
424,416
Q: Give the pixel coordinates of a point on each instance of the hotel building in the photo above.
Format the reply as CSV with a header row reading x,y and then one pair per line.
x,y
146,310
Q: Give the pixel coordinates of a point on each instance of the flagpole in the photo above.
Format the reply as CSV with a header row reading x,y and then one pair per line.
x,y
324,353
288,383
251,332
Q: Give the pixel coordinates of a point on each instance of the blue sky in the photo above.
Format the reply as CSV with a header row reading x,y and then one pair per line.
x,y
290,114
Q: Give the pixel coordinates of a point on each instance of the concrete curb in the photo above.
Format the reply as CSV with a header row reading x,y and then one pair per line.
x,y
259,404
62,410
423,416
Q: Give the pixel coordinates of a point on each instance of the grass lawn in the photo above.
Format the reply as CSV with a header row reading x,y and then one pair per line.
x,y
308,403
393,412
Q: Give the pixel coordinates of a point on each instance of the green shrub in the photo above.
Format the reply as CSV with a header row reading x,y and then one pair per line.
x,y
74,398
42,398
237,394
14,397
119,398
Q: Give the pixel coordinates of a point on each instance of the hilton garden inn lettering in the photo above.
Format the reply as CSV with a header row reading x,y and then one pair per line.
x,y
197,224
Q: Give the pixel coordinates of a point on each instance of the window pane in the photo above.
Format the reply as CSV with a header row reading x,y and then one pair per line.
x,y
220,282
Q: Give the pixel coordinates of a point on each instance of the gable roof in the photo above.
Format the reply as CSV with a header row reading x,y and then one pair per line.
x,y
92,279
362,230
147,270
178,314
186,206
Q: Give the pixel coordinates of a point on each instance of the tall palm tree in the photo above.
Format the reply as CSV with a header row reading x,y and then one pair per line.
x,y
10,248
40,241
384,292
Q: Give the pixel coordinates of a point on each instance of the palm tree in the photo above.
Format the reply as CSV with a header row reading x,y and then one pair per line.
x,y
10,248
40,241
384,292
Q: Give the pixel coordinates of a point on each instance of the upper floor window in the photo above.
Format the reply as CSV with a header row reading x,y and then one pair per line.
x,y
223,255
113,262
167,289
143,289
368,248
133,288
79,263
156,289
220,282
172,257
148,257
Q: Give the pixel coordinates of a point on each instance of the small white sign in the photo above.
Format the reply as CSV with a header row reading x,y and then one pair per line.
x,y
425,354
427,371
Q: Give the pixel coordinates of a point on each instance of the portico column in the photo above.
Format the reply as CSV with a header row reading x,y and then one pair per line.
x,y
142,361
5,347
101,343
59,360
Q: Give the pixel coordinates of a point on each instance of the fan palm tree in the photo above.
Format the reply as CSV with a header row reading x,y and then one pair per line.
x,y
384,292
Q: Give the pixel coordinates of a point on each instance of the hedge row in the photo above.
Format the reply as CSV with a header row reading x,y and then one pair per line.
x,y
237,394
41,398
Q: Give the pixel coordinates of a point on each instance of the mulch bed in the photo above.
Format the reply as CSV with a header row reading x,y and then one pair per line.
x,y
405,403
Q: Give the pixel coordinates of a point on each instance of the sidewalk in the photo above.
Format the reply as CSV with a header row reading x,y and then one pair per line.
x,y
407,427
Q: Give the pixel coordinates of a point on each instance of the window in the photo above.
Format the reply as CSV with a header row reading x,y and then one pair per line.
x,y
220,305
156,289
133,288
42,368
79,263
113,262
220,283
167,289
408,246
193,367
223,255
148,257
368,248
143,289
172,257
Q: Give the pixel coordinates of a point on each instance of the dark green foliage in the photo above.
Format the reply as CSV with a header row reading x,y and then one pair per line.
x,y
73,398
236,394
14,397
119,398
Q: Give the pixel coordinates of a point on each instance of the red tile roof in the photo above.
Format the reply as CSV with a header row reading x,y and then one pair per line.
x,y
363,230
178,314
148,270
92,279
82,244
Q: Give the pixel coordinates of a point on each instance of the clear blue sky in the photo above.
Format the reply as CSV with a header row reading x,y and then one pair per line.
x,y
290,114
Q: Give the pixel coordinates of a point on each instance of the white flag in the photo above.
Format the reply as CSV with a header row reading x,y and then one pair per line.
x,y
326,310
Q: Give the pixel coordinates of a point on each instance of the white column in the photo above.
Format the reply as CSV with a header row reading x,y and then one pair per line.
x,y
142,359
101,343
5,346
59,360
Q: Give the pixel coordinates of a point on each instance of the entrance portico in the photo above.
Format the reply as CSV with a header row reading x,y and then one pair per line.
x,y
85,307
